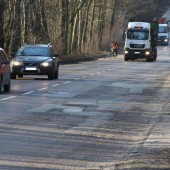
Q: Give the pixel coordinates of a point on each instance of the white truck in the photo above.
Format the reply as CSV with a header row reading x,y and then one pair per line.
x,y
141,41
163,34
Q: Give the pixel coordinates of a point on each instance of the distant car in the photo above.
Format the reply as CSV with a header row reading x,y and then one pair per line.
x,y
163,34
4,72
37,59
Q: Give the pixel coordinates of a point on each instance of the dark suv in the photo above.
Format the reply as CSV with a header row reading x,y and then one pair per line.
x,y
4,72
38,59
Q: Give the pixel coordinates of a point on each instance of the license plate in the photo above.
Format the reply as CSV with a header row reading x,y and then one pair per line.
x,y
137,52
31,68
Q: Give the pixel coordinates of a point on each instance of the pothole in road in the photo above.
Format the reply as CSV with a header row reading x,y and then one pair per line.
x,y
60,108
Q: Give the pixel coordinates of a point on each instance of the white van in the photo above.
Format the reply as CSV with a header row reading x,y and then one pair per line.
x,y
163,34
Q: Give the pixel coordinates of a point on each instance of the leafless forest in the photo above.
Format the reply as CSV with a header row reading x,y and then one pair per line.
x,y
72,26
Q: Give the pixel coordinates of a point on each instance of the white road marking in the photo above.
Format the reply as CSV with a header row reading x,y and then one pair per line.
x,y
43,88
66,82
55,85
84,76
7,98
77,78
27,93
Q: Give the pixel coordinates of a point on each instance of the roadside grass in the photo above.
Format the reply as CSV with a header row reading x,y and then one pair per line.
x,y
71,59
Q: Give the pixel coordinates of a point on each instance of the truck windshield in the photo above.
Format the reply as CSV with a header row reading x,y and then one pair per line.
x,y
163,29
137,35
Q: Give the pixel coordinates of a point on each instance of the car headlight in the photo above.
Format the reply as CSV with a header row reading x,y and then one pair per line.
x,y
166,40
147,53
46,64
16,63
126,51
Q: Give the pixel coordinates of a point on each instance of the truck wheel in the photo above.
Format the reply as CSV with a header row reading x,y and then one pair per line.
x,y
125,59
150,59
154,58
155,55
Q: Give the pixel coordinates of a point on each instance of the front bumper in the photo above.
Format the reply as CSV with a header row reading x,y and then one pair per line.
x,y
163,41
137,54
31,70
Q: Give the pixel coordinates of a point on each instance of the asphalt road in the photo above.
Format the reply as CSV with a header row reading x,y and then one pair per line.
x,y
106,114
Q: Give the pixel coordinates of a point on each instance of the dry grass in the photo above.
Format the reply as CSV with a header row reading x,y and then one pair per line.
x,y
76,58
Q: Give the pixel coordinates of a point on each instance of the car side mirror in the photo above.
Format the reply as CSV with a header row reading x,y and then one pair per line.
x,y
56,55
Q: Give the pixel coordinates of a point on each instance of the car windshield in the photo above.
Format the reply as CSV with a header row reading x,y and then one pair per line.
x,y
163,29
33,51
138,35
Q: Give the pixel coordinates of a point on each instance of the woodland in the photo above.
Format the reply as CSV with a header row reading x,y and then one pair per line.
x,y
72,26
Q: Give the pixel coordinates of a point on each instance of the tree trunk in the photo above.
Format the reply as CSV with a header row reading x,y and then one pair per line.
x,y
16,41
84,43
2,8
64,26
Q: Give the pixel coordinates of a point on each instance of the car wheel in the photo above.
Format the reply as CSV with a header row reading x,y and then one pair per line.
x,y
20,75
7,87
51,76
57,73
13,76
150,59
0,87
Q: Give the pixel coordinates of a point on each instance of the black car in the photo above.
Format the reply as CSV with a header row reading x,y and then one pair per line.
x,y
4,72
37,59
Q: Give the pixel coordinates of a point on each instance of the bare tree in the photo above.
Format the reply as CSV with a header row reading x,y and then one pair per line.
x,y
74,26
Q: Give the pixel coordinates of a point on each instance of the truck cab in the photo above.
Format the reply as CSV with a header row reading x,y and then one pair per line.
x,y
140,41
